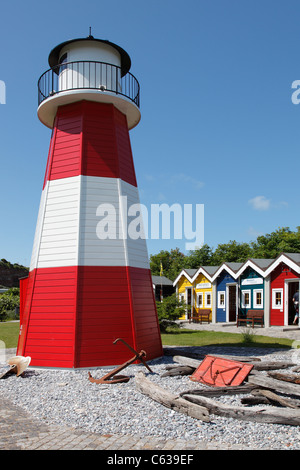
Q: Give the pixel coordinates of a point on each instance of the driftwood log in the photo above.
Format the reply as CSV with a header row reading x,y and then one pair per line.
x,y
188,361
274,384
276,399
258,400
269,414
219,391
169,400
293,378
257,363
180,370
266,365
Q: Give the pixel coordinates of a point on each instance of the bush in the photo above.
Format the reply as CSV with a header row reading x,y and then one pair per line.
x,y
169,310
9,301
248,335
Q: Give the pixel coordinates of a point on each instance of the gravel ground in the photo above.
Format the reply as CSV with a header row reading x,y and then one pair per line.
x,y
68,398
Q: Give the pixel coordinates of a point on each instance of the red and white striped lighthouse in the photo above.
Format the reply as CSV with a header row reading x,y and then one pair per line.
x,y
86,288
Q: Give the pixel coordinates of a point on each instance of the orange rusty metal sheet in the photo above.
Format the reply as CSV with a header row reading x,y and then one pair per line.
x,y
220,372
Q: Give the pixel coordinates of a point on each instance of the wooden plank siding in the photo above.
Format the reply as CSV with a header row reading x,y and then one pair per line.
x,y
279,276
92,140
250,281
223,280
143,305
203,286
85,291
48,327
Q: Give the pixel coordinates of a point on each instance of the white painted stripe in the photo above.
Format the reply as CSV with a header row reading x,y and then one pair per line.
x,y
69,216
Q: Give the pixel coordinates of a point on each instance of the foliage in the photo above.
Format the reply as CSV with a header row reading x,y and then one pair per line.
x,y
267,246
271,245
200,257
9,300
169,310
173,262
248,335
232,252
6,264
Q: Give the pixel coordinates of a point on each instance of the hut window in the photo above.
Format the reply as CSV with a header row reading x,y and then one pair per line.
x,y
246,299
221,299
207,299
258,298
200,300
277,298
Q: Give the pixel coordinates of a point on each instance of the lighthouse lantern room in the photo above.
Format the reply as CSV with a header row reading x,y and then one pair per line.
x,y
86,288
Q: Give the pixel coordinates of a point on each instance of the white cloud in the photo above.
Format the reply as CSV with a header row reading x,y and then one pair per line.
x,y
186,179
260,203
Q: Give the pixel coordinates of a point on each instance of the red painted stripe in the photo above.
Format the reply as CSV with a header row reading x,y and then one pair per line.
x,y
72,315
90,139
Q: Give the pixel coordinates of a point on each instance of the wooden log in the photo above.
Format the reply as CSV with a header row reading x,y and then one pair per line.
x,y
252,401
188,361
180,352
267,414
266,365
165,398
277,399
219,391
274,384
238,358
293,378
181,370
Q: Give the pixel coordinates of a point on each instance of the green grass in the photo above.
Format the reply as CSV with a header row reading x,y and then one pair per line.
x,y
207,338
9,333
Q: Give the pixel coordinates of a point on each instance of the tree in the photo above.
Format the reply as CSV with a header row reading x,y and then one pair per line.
x,y
200,257
231,252
172,262
265,246
272,244
169,310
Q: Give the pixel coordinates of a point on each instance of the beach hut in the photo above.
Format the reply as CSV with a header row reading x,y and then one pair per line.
x,y
226,301
204,290
254,287
284,275
184,289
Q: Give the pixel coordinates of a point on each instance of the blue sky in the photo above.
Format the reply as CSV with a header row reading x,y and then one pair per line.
x,y
218,124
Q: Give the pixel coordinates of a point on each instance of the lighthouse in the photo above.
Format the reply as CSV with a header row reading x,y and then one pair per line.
x,y
89,281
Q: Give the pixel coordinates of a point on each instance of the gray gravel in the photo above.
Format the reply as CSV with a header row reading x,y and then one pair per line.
x,y
68,398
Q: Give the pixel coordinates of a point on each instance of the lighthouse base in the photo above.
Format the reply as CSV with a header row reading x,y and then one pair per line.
x,y
72,316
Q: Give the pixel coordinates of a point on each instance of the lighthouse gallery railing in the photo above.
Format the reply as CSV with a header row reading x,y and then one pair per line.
x,y
81,75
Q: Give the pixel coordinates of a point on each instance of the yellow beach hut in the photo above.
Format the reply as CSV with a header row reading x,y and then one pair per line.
x,y
185,290
204,290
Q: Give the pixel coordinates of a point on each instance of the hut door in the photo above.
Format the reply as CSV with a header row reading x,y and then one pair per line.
x,y
291,288
189,301
232,302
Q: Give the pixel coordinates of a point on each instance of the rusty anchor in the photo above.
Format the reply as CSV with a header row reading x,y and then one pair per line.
x,y
112,377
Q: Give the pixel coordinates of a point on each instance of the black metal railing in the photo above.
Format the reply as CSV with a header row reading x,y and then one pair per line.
x,y
81,75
